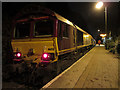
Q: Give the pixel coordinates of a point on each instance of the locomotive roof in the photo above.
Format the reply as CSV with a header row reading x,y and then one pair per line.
x,y
63,19
59,17
38,9
68,22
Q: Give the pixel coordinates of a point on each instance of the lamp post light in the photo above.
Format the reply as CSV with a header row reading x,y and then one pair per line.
x,y
103,37
98,6
98,30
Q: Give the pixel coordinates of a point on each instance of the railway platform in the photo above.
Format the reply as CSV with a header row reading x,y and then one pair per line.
x,y
96,69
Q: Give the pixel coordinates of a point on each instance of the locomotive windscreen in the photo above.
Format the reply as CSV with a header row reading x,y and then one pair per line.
x,y
41,28
22,30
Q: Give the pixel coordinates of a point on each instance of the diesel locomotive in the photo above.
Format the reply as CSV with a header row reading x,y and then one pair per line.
x,y
41,36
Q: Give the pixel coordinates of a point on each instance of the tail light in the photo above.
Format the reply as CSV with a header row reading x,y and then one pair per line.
x,y
47,56
17,55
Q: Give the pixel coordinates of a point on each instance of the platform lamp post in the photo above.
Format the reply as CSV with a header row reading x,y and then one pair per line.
x,y
98,6
106,21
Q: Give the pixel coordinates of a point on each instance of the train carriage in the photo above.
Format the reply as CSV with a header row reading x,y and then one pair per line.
x,y
41,36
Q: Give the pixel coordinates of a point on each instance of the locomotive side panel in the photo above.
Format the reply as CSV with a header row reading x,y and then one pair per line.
x,y
65,36
86,39
79,38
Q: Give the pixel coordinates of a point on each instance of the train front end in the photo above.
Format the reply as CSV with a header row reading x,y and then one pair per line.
x,y
34,40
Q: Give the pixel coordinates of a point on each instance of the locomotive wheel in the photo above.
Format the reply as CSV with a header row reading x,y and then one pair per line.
x,y
57,69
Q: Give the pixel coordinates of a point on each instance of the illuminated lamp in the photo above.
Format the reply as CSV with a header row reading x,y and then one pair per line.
x,y
103,35
99,4
45,55
18,54
86,35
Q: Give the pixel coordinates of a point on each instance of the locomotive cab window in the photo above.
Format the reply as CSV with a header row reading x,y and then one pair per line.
x,y
43,28
22,30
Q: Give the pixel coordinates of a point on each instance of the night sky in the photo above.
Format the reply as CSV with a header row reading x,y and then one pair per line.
x,y
83,14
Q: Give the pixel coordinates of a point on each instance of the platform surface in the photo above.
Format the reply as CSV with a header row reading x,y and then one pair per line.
x,y
97,69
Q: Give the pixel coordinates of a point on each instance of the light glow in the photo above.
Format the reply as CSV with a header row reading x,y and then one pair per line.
x,y
18,54
99,4
98,30
86,35
103,35
68,22
45,55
